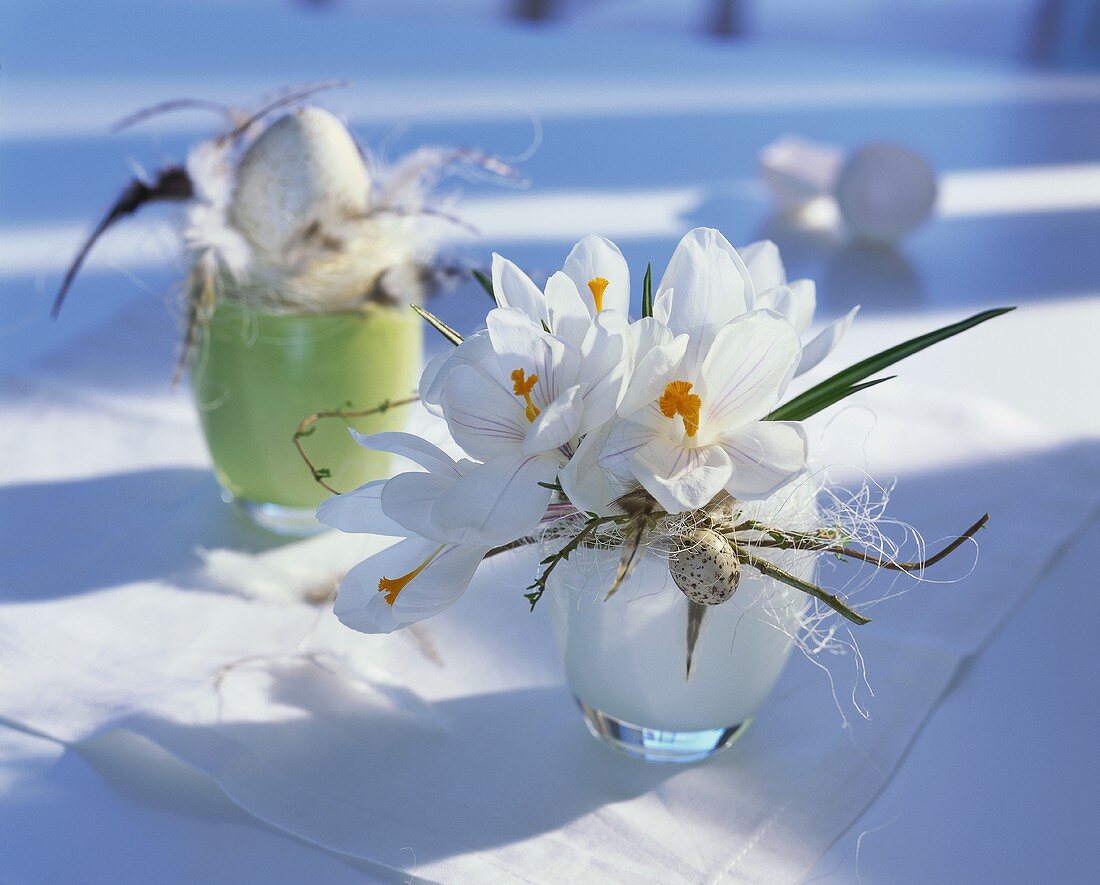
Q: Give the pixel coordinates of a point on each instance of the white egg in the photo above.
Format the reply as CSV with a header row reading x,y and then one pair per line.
x,y
303,175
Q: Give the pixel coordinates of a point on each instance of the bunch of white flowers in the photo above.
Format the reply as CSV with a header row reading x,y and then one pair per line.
x,y
567,409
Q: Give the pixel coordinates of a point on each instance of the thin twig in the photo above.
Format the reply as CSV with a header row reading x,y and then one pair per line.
x,y
818,544
290,97
175,104
551,562
305,428
924,563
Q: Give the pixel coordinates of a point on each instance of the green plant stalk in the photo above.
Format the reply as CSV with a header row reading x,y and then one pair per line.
x,y
647,291
436,323
775,572
486,284
822,402
843,382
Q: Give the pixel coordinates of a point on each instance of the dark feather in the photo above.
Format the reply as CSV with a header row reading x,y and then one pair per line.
x,y
172,183
696,613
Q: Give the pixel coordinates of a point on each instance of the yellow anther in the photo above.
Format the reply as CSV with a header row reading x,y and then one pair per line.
x,y
679,400
596,286
522,385
392,587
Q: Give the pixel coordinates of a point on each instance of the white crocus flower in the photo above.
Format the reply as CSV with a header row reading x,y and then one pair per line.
x,y
588,324
595,279
690,423
448,517
516,387
707,283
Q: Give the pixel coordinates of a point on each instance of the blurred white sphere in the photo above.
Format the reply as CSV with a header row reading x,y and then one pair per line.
x,y
885,190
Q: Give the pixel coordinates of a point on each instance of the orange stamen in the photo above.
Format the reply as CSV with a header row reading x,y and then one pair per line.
x,y
522,385
679,400
596,286
392,587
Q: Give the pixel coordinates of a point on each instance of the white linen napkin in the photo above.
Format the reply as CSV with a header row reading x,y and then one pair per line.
x,y
453,752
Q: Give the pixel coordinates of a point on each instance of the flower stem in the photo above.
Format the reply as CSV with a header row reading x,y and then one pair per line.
x,y
773,571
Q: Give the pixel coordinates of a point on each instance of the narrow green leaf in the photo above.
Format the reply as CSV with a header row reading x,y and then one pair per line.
x,y
647,291
436,323
486,283
849,377
812,407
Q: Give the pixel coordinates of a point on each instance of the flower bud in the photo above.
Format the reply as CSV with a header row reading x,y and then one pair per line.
x,y
303,173
704,566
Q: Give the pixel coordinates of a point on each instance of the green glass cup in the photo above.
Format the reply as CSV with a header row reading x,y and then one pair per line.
x,y
255,376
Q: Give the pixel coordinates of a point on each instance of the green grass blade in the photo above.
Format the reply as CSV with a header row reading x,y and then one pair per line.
x,y
786,413
486,283
436,323
647,291
848,378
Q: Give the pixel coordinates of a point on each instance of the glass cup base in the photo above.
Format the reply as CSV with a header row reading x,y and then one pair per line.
x,y
653,745
291,522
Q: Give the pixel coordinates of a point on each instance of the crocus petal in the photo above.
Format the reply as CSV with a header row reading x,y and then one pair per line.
x,y
359,603
764,265
485,419
500,500
652,372
662,306
556,424
647,333
803,304
431,382
588,486
513,288
710,282
474,351
823,343
749,366
794,302
359,511
520,344
596,257
623,439
765,456
409,498
407,445
680,477
569,316
449,570
605,368
441,583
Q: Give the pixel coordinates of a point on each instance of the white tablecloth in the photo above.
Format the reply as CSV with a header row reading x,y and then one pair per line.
x,y
136,601
106,495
